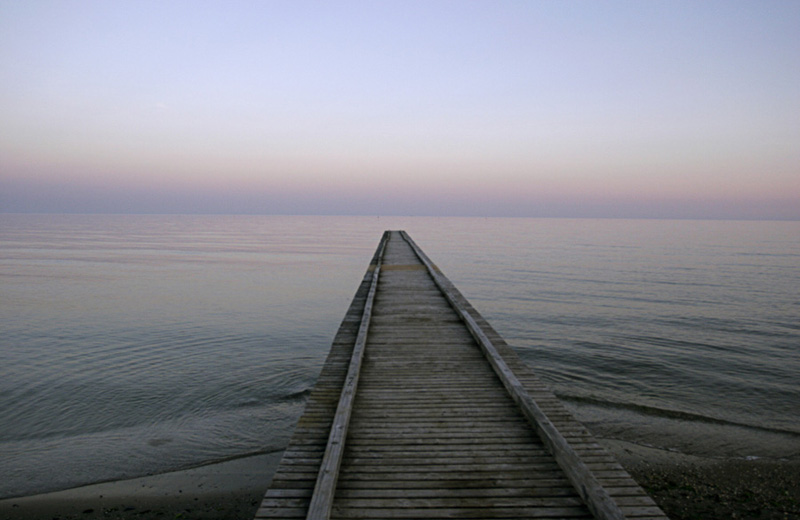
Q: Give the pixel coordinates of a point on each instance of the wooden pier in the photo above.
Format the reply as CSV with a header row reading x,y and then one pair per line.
x,y
423,411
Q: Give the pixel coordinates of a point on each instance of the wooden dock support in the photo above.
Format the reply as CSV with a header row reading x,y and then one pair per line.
x,y
423,411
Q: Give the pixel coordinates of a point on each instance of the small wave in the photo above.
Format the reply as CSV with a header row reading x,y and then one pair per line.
x,y
671,414
257,402
190,410
265,451
297,396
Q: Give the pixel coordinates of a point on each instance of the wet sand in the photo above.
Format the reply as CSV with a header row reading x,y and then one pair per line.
x,y
688,487
225,491
685,487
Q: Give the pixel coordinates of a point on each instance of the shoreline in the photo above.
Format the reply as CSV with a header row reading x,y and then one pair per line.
x,y
693,487
684,486
228,490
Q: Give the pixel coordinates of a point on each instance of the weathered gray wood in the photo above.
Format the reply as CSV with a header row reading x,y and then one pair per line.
x,y
431,432
322,498
597,499
462,388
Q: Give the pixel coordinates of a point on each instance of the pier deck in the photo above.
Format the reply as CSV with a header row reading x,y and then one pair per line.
x,y
423,411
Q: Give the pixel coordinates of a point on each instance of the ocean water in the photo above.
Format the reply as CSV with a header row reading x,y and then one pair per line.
x,y
132,345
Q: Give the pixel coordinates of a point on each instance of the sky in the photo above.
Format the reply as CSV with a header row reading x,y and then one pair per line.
x,y
623,109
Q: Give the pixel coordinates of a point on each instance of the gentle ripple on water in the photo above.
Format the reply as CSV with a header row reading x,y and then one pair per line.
x,y
669,320
139,344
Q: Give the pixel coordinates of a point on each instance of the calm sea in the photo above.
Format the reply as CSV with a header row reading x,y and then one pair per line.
x,y
132,345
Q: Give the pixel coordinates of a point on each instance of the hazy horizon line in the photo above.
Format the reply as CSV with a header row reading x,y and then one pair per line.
x,y
361,215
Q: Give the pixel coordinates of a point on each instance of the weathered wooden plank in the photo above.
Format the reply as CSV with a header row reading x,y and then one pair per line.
x,y
596,497
333,373
433,476
485,512
439,442
510,468
558,484
432,432
458,493
461,460
457,502
322,498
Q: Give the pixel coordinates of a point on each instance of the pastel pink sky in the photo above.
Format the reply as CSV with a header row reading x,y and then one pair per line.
x,y
596,109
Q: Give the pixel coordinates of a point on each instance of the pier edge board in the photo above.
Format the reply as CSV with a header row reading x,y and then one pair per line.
x,y
323,403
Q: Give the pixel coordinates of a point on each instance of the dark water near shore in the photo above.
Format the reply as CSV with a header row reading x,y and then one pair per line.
x,y
141,344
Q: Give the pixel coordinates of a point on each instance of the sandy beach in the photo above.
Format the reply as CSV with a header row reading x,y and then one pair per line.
x,y
685,487
688,487
225,491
